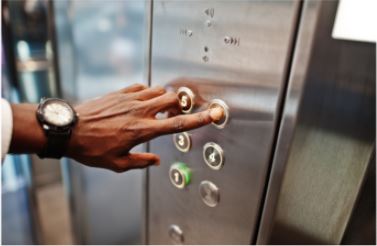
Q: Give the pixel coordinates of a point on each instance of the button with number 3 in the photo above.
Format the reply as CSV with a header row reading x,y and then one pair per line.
x,y
213,155
182,141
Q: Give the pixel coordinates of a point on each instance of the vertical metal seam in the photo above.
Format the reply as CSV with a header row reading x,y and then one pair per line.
x,y
52,35
145,233
279,112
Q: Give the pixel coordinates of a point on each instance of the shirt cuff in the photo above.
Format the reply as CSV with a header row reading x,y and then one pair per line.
x,y
6,127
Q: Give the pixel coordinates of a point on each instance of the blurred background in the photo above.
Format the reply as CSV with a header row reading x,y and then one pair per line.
x,y
101,49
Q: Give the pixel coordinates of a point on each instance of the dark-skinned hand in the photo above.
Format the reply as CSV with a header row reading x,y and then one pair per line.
x,y
110,126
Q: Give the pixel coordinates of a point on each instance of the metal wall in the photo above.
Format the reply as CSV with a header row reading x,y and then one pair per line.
x,y
239,52
103,47
326,139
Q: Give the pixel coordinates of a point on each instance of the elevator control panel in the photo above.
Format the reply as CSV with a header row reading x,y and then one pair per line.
x,y
218,103
231,55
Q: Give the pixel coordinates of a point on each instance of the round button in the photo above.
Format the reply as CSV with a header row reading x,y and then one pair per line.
x,y
182,141
186,99
210,193
176,234
213,155
180,175
224,120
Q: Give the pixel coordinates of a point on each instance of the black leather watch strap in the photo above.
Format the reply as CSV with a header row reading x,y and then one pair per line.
x,y
56,144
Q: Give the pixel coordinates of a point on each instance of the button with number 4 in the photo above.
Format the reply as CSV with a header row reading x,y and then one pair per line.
x,y
213,155
182,141
180,175
186,99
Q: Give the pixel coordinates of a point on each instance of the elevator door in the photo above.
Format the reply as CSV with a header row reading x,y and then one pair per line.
x,y
209,186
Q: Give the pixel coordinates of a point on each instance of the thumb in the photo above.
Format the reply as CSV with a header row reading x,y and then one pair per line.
x,y
140,160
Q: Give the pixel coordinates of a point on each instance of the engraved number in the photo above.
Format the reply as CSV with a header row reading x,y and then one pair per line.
x,y
176,177
184,101
212,157
181,140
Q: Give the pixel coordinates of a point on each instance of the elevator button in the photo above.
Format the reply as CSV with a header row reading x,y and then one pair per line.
x,y
186,99
182,141
176,234
224,120
213,155
209,193
180,175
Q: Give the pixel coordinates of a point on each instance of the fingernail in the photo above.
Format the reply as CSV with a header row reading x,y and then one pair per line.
x,y
216,113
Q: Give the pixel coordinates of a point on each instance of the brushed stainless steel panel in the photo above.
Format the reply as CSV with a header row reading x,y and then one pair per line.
x,y
327,135
190,48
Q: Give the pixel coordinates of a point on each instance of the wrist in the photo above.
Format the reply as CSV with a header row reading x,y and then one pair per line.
x,y
27,134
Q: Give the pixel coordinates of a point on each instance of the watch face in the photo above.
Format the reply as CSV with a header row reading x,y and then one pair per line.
x,y
58,113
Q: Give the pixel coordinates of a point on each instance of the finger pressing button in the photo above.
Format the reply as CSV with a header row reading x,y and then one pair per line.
x,y
222,118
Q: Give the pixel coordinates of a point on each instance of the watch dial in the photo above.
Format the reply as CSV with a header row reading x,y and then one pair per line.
x,y
58,113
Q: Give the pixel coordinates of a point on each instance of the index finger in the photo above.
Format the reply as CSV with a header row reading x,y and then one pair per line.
x,y
186,122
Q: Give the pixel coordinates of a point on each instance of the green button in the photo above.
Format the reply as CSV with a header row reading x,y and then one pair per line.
x,y
180,175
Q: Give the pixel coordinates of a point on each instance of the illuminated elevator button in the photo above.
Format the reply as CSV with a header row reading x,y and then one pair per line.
x,y
176,234
209,193
186,99
224,120
182,141
213,155
180,175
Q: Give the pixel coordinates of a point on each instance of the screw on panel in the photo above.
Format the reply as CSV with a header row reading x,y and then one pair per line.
x,y
227,40
205,58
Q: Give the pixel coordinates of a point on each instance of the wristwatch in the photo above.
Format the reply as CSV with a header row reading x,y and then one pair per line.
x,y
57,119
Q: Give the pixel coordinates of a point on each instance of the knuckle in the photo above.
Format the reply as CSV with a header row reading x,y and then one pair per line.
x,y
139,85
118,170
132,107
121,165
178,123
120,98
160,89
172,96
202,118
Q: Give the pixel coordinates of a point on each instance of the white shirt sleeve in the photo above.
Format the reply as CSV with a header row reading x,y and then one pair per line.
x,y
6,127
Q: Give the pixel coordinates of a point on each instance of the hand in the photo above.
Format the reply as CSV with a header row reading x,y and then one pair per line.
x,y
110,126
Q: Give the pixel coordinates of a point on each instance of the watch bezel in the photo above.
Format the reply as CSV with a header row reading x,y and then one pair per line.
x,y
50,126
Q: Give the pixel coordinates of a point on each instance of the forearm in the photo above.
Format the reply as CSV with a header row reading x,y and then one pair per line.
x,y
27,134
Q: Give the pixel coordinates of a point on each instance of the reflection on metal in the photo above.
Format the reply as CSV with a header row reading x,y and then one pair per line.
x,y
326,137
27,38
106,207
33,65
250,78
